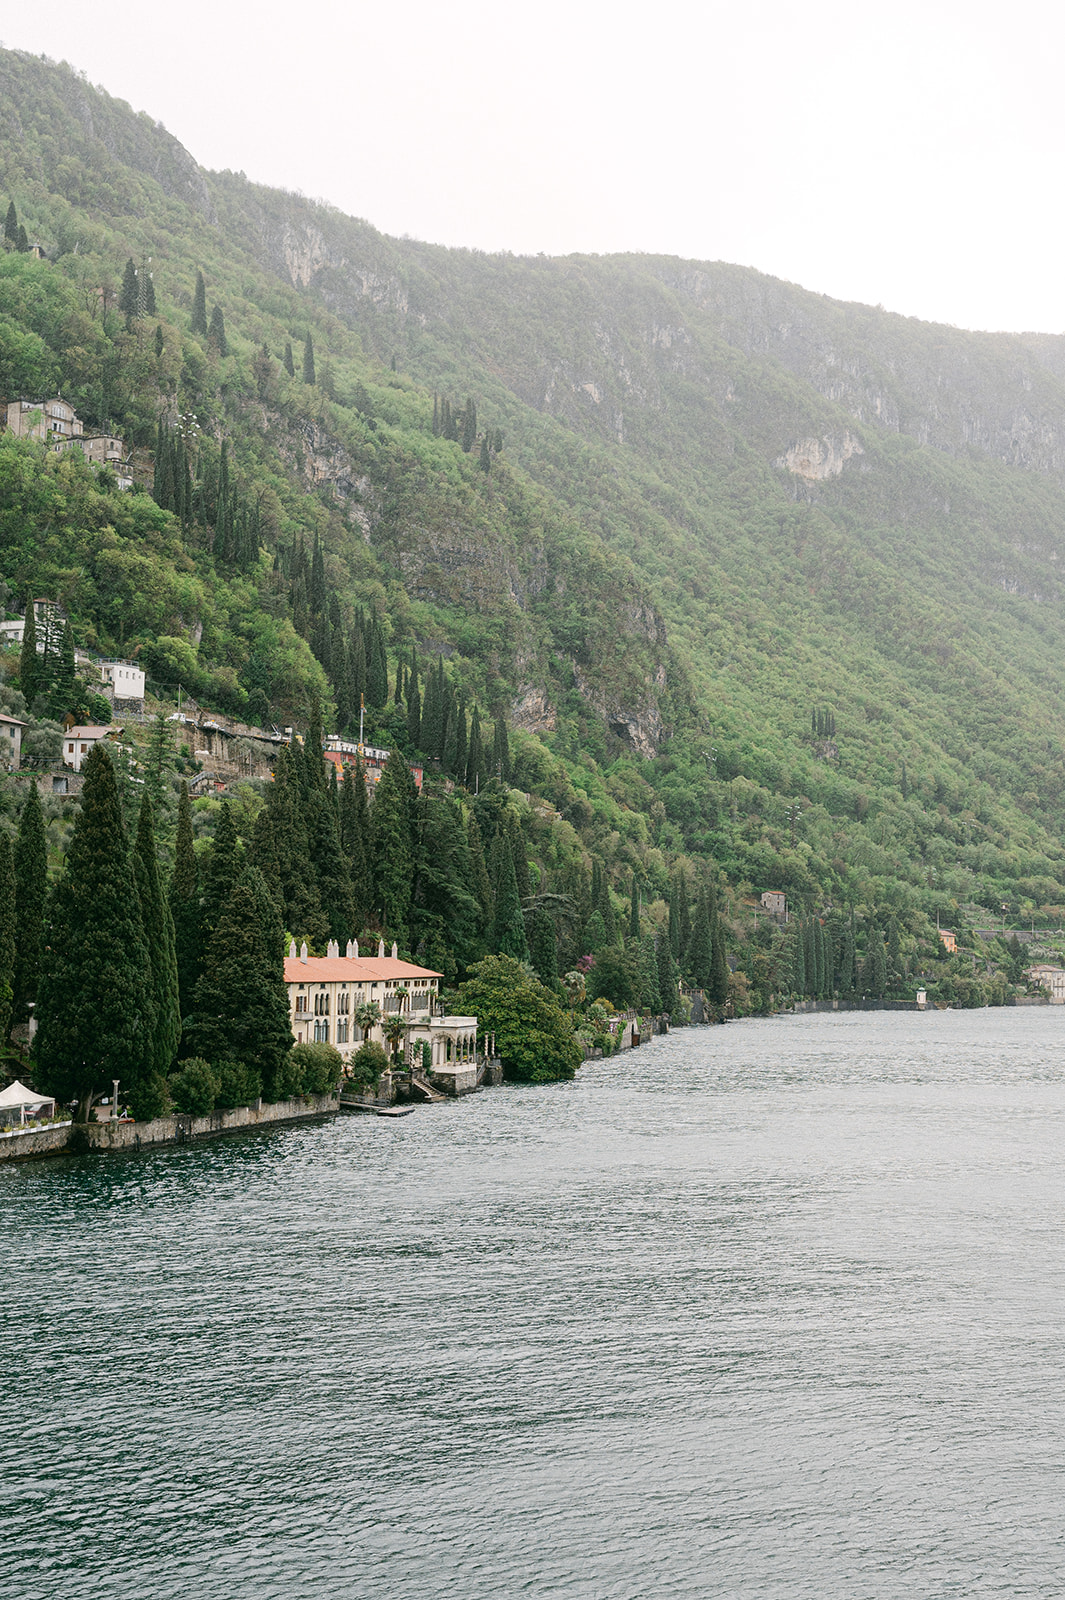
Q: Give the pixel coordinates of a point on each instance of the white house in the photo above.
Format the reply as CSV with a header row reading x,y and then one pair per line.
x,y
77,742
49,619
126,681
11,742
325,992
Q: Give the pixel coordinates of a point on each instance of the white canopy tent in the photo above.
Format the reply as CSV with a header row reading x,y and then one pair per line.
x,y
18,1098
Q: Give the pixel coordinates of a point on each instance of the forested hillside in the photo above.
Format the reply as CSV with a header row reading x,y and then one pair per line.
x,y
763,590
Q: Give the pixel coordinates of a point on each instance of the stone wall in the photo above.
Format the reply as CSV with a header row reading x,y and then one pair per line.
x,y
178,1129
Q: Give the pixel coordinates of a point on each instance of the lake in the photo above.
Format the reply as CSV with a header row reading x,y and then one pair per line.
x,y
774,1309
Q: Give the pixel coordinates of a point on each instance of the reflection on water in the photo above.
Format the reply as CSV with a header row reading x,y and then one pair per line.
x,y
767,1310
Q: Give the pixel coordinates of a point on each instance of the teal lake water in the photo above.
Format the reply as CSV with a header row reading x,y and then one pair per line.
x,y
776,1309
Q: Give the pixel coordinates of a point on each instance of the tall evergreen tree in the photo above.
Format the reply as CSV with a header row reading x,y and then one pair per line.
x,y
287,361
699,957
308,360
469,427
331,869
355,841
508,924
29,672
634,910
479,876
650,998
199,307
61,693
605,906
475,754
94,1000
11,224
543,945
667,976
217,331
127,297
31,880
185,911
164,1015
717,983
7,936
223,869
394,844
240,1008
500,750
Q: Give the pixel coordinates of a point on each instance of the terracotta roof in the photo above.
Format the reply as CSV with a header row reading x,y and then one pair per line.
x,y
89,732
352,969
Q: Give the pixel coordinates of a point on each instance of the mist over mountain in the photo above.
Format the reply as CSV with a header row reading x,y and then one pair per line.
x,y
757,579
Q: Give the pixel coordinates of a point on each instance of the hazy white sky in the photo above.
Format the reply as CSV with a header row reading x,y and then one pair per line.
x,y
909,155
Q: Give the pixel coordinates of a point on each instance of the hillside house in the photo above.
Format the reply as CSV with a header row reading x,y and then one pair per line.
x,y
775,901
78,741
125,683
1052,979
343,753
325,993
55,421
10,743
948,941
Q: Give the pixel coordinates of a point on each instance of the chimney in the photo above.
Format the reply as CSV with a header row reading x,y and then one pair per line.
x,y
395,951
303,952
332,949
349,952
380,949
292,950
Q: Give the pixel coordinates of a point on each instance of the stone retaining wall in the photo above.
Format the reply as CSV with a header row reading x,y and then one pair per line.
x,y
178,1129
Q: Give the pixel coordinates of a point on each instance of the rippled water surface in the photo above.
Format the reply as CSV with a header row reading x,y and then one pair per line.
x,y
776,1309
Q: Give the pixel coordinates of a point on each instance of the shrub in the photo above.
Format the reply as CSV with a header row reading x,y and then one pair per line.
x,y
195,1087
237,1084
321,1066
367,1065
150,1098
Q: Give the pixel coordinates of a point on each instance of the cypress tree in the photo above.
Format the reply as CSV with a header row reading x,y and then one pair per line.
x,y
31,879
469,427
475,754
521,860
459,769
184,899
160,342
94,1001
667,977
508,924
717,986
11,224
222,871
355,840
287,361
264,859
334,881
128,298
650,998
240,1008
485,462
23,239
199,307
217,331
29,673
414,712
500,750
674,922
700,954
7,936
308,360
684,921
158,924
392,821
605,907
480,880
543,946
798,959
62,692
846,965
634,910
376,669
819,959
145,292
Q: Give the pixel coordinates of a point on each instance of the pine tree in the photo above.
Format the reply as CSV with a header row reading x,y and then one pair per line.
x,y
31,879
308,360
61,692
11,224
199,307
29,675
217,331
287,361
185,911
127,298
94,1001
145,291
158,924
240,1008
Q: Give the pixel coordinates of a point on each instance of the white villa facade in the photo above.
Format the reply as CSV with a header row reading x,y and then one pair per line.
x,y
1050,978
325,993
